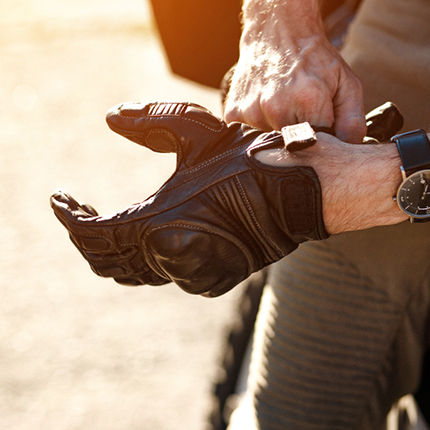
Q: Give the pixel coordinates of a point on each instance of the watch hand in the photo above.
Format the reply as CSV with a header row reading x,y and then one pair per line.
x,y
425,192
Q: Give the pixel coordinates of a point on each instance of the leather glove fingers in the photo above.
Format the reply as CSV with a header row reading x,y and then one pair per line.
x,y
220,217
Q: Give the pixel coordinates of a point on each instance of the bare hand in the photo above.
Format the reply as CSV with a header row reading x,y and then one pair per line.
x,y
288,72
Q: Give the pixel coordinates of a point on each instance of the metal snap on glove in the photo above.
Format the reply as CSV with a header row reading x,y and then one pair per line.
x,y
220,217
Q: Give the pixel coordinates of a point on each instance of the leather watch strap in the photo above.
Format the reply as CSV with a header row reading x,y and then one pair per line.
x,y
414,150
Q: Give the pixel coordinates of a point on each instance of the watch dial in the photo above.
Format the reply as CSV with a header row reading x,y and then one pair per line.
x,y
413,196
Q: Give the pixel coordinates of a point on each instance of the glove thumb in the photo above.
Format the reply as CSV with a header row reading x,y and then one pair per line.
x,y
66,208
184,128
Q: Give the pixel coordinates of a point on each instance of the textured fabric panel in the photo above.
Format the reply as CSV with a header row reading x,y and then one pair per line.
x,y
326,333
388,48
341,332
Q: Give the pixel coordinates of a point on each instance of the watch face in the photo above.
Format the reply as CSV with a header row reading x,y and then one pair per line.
x,y
413,196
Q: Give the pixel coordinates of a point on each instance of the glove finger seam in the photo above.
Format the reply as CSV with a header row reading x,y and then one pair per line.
x,y
118,231
251,244
163,117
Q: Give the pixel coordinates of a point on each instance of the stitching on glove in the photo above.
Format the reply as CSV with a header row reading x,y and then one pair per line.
x,y
185,182
185,119
164,190
214,208
149,255
250,243
254,218
210,161
160,131
224,200
206,126
192,227
117,232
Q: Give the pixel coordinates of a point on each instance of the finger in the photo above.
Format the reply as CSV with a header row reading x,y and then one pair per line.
x,y
68,209
242,99
72,215
305,103
111,247
350,122
321,117
164,127
247,111
95,247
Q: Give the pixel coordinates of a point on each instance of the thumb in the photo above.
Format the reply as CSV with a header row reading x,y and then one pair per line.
x,y
165,127
350,121
80,220
68,210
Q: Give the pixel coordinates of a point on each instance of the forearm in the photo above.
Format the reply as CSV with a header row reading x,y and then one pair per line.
x,y
299,18
288,72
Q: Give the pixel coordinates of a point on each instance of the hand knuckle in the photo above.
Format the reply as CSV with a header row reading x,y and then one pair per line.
x,y
308,105
274,112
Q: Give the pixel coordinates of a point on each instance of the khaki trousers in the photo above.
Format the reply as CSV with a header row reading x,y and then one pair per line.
x,y
342,325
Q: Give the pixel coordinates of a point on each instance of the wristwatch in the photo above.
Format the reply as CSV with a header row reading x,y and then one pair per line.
x,y
413,195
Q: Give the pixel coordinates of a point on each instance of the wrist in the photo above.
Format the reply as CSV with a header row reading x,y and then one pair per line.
x,y
358,182
361,195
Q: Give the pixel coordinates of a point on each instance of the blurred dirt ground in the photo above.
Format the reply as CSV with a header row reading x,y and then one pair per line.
x,y
78,351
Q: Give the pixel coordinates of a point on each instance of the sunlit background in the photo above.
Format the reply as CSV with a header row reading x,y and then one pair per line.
x,y
78,351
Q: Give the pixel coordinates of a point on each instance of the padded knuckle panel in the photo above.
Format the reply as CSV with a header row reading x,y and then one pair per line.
x,y
197,260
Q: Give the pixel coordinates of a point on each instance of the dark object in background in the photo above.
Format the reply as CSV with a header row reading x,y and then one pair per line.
x,y
200,37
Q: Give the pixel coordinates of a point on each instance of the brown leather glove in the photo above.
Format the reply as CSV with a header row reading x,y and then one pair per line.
x,y
220,217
